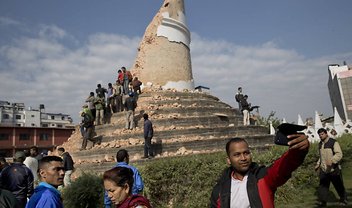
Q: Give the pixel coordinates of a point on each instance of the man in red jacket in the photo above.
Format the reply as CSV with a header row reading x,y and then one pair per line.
x,y
246,184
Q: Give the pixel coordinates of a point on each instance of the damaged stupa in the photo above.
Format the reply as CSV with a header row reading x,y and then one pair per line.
x,y
185,121
163,56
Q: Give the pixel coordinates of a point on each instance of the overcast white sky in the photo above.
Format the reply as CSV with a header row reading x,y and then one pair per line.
x,y
55,52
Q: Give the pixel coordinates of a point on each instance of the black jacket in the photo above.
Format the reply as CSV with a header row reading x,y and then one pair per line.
x,y
223,187
130,104
148,129
68,162
18,179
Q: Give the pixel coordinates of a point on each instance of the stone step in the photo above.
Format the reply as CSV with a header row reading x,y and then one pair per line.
x,y
100,167
98,155
184,103
177,122
187,121
186,118
197,111
192,132
175,95
182,112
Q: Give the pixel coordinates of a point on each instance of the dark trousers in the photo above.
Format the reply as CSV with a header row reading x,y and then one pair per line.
x,y
148,151
93,113
119,106
82,129
88,135
324,184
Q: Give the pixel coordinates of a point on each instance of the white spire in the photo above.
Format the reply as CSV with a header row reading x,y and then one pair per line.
x,y
337,118
300,121
338,125
317,122
272,130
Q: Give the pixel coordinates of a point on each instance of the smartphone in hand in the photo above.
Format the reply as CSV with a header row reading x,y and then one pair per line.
x,y
285,129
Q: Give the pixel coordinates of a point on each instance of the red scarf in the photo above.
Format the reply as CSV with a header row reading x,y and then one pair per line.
x,y
134,201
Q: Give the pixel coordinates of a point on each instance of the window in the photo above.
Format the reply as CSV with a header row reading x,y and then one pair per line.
x,y
62,117
52,124
32,116
24,136
18,117
45,125
4,137
33,124
59,125
52,117
6,116
44,137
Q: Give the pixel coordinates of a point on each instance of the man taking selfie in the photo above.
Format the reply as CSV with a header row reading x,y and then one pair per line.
x,y
246,184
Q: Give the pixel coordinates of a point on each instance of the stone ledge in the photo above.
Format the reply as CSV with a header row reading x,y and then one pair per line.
x,y
96,155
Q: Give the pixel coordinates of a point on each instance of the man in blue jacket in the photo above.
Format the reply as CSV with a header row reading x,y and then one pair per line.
x,y
51,175
122,159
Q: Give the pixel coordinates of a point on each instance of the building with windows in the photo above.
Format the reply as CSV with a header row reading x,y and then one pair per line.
x,y
340,90
22,128
15,114
21,138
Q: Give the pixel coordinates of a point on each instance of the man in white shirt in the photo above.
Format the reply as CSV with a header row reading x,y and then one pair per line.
x,y
32,163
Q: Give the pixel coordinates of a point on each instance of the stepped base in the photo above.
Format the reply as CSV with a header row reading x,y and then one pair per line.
x,y
184,123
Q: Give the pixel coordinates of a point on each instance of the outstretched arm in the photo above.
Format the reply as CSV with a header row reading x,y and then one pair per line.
x,y
281,169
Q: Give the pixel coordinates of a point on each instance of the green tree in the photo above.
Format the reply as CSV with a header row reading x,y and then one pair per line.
x,y
262,121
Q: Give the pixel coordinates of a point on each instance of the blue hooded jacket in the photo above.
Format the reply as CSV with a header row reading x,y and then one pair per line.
x,y
138,184
45,195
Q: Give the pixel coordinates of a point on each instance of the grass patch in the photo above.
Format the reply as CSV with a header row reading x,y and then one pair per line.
x,y
188,181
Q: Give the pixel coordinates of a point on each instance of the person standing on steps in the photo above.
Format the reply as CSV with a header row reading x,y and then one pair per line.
x,y
130,106
90,100
239,97
88,129
127,78
245,110
118,96
148,135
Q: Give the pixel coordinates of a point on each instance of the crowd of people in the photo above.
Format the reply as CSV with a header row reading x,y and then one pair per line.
x,y
33,179
112,99
117,97
243,184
